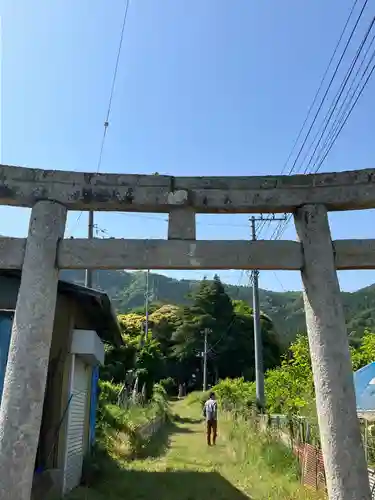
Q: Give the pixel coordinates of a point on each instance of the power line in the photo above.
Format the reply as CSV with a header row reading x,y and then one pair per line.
x,y
345,105
165,220
346,108
332,79
114,78
278,232
348,115
162,219
278,279
340,121
339,93
293,168
109,108
264,220
319,88
280,227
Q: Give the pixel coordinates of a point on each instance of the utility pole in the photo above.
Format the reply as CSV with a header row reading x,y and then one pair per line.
x,y
258,347
88,274
206,331
146,301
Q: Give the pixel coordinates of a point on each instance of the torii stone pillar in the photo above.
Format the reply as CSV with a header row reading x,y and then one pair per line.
x,y
344,458
26,373
181,224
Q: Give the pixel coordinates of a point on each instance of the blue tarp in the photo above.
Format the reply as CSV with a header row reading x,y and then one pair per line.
x,y
364,383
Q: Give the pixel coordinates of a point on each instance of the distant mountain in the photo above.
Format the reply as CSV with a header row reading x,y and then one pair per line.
x,y
127,291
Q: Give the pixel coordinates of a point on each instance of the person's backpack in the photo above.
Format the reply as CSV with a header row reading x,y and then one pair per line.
x,y
210,410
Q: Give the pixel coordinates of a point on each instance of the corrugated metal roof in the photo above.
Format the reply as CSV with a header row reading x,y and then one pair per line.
x,y
95,303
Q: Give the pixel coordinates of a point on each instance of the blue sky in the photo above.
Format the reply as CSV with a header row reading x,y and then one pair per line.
x,y
205,87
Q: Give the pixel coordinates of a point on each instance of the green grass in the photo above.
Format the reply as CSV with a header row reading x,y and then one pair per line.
x,y
178,465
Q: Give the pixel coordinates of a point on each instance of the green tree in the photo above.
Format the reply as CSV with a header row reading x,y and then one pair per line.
x,y
241,343
174,345
290,387
164,321
365,351
149,363
231,338
211,308
139,354
119,361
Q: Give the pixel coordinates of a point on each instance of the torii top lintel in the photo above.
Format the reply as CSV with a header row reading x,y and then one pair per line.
x,y
349,190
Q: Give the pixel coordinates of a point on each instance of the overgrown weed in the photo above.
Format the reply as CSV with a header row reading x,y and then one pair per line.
x,y
271,469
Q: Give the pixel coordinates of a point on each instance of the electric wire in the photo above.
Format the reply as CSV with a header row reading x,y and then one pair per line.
x,y
109,107
320,86
293,168
339,94
339,121
347,106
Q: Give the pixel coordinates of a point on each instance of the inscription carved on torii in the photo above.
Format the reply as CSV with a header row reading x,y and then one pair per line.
x,y
51,193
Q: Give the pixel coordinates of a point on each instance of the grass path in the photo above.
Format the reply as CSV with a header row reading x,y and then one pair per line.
x,y
180,466
189,470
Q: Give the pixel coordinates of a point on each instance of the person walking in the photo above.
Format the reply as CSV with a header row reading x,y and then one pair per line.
x,y
210,414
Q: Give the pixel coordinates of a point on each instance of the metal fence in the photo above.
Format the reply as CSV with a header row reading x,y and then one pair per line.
x,y
303,438
368,434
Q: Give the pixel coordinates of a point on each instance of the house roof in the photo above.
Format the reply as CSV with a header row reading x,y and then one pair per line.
x,y
364,384
96,304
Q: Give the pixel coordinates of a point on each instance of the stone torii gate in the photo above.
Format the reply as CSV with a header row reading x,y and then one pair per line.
x,y
51,193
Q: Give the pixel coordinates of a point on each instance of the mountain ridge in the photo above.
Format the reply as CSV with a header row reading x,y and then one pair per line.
x,y
127,291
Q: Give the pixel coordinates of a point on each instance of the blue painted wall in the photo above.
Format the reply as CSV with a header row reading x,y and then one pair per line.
x,y
5,333
93,403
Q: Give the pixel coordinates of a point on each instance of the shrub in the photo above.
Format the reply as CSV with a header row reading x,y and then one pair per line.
x,y
260,455
113,419
159,401
235,394
108,392
168,384
197,397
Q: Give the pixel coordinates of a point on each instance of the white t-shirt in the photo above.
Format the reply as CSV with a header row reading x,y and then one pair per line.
x,y
210,409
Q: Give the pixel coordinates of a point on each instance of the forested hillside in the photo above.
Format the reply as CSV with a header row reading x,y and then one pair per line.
x,y
173,345
127,291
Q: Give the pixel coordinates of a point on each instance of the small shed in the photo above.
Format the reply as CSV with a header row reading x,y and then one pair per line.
x,y
364,384
84,321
